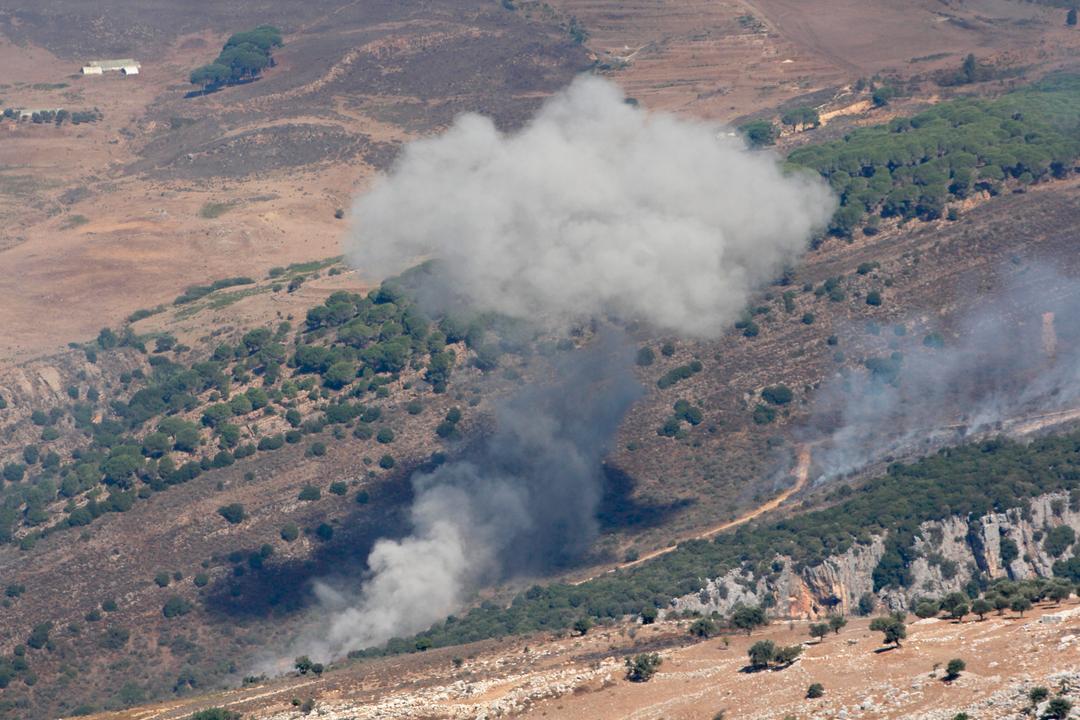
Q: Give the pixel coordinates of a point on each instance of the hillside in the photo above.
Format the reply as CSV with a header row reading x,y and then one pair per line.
x,y
211,413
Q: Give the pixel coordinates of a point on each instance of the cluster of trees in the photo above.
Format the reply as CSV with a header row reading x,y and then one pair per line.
x,y
913,166
196,292
971,480
350,349
244,56
56,117
683,411
765,654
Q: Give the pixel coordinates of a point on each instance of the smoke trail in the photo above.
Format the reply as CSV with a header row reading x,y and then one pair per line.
x,y
1018,353
523,500
594,208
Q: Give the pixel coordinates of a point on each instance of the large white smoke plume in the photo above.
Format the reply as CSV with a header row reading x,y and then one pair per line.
x,y
595,208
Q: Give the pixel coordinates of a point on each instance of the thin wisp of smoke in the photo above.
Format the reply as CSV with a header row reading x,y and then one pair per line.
x,y
1016,355
594,208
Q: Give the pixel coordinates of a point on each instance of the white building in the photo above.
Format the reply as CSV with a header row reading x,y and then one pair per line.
x,y
124,66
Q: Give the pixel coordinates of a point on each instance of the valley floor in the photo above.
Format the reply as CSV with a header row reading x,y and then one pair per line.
x,y
583,677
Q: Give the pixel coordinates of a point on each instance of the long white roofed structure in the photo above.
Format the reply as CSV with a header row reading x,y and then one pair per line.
x,y
126,66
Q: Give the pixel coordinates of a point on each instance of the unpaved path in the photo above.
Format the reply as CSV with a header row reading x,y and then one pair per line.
x,y
801,473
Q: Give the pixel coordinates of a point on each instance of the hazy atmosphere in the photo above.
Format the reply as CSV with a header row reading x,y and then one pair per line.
x,y
553,359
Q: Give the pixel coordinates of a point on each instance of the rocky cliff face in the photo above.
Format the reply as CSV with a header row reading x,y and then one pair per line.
x,y
950,553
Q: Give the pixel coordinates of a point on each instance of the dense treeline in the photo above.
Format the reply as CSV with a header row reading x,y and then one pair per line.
x,y
245,55
913,166
971,480
182,419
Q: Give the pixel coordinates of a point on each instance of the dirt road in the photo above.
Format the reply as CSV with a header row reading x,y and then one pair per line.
x,y
801,473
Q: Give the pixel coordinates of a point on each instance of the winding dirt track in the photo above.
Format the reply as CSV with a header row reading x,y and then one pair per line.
x,y
801,473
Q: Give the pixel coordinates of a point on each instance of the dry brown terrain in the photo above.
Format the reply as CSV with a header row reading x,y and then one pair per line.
x,y
166,191
572,677
103,219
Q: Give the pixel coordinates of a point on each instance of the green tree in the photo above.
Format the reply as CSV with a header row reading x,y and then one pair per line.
x,y
760,133
891,627
777,394
175,606
762,653
233,513
39,636
981,606
210,76
642,667
748,617
1058,708
703,628
339,375
953,669
216,713
582,625
1020,604
1070,17
819,630
837,623
970,68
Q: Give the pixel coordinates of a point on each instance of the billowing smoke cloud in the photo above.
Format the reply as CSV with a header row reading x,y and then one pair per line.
x,y
1013,359
595,207
524,498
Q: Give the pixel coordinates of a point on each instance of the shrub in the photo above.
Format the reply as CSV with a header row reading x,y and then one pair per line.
x,y
233,513
954,668
324,532
201,580
316,449
763,414
385,436
309,493
815,690
290,532
873,298
645,357
386,462
114,638
39,636
162,579
216,713
176,606
642,667
703,628
271,442
339,487
1058,539
777,394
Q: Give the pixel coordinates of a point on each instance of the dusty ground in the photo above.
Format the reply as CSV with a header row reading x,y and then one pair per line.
x,y
734,58
103,219
573,677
